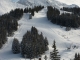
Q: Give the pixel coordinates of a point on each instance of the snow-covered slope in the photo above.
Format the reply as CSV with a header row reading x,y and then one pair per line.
x,y
64,39
7,5
77,2
53,3
33,2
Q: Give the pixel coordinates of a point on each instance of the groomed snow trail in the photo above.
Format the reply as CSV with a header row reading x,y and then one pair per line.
x,y
51,31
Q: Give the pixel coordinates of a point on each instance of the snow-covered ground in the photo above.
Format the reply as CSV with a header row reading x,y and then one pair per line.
x,y
54,3
77,2
7,5
64,39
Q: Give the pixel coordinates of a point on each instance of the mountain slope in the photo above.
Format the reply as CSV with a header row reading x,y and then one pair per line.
x,y
64,39
77,2
53,3
53,32
7,5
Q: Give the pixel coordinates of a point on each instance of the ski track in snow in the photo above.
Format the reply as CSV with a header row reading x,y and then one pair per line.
x,y
63,38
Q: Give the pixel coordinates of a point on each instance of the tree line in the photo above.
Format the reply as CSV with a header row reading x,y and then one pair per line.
x,y
32,10
64,19
74,10
9,24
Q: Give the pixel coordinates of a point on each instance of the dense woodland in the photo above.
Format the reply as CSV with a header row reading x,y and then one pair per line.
x,y
32,10
9,24
74,10
33,45
65,19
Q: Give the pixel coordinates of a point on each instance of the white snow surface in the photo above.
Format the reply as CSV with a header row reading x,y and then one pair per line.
x,y
77,2
7,5
54,3
64,39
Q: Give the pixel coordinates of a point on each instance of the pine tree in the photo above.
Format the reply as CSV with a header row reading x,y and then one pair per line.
x,y
30,16
54,54
77,56
32,12
46,43
15,46
25,10
45,57
1,44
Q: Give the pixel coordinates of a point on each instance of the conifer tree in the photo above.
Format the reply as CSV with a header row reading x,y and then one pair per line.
x,y
46,43
25,10
32,12
54,54
30,16
15,46
1,44
77,56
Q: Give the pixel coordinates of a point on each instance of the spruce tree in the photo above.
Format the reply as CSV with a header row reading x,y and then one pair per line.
x,y
77,56
46,43
25,10
54,54
32,12
30,16
15,46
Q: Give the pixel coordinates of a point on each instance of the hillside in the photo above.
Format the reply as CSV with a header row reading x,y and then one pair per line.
x,y
7,6
70,2
64,39
53,3
53,32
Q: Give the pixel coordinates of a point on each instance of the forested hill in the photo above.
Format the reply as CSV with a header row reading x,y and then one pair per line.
x,y
39,32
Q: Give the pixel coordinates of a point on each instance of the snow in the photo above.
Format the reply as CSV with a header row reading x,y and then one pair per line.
x,y
14,0
7,5
64,39
54,3
77,2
